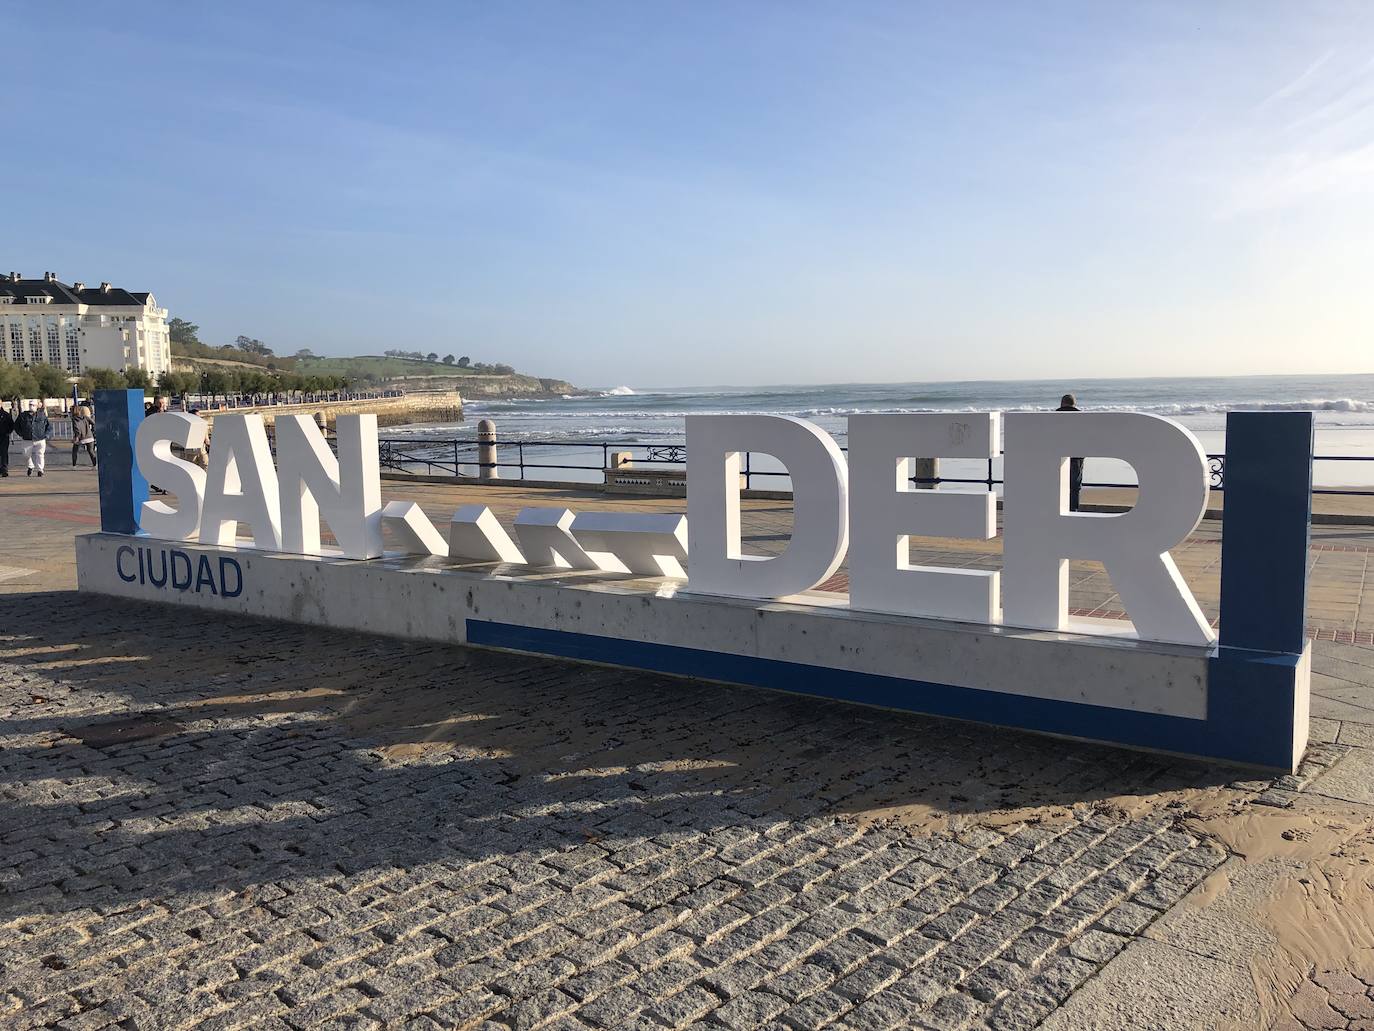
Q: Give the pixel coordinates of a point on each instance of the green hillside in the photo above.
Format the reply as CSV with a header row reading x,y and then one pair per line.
x,y
376,367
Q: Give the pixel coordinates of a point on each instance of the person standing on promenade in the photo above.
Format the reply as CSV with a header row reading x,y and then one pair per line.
x,y
157,406
6,428
199,456
83,433
35,430
1068,403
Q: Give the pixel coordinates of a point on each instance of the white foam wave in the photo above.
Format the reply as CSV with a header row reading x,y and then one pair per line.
x,y
617,392
1337,405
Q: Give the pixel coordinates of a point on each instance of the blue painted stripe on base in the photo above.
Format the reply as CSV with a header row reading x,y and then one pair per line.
x,y
1243,725
118,415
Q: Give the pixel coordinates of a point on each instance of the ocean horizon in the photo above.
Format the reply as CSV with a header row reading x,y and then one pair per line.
x,y
633,417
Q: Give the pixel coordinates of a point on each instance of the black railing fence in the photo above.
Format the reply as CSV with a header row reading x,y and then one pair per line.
x,y
207,402
522,459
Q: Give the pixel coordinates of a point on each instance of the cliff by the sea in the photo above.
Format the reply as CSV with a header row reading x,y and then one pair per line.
x,y
478,386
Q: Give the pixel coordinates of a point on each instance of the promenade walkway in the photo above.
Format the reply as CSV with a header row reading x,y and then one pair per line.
x,y
222,822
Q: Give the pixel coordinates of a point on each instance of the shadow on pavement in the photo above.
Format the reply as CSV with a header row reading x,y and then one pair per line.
x,y
281,751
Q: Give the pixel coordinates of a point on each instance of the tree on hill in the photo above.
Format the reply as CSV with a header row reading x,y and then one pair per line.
x,y
433,356
464,362
179,331
498,369
251,345
448,359
305,352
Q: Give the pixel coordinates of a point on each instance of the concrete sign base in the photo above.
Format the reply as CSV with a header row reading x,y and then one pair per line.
x,y
1238,705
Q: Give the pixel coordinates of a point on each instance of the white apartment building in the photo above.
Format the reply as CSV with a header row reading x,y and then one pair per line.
x,y
78,327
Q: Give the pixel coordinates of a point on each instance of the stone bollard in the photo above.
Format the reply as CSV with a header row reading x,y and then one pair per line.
x,y
486,451
618,460
320,422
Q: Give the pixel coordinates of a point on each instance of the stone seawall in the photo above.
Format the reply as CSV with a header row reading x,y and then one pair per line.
x,y
435,406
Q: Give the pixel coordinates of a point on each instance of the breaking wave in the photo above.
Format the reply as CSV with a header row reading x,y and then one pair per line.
x,y
1345,405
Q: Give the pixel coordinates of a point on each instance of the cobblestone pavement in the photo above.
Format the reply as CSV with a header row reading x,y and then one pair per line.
x,y
222,822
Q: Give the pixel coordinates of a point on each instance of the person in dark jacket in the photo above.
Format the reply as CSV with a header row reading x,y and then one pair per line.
x,y
83,433
6,428
1068,403
35,430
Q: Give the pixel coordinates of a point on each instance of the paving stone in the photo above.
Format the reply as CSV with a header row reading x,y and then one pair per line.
x,y
802,981
735,978
867,979
843,954
469,1007
994,980
686,1006
951,1013
616,1009
952,923
1021,1011
537,1010
1061,976
1096,946
817,1011
749,1010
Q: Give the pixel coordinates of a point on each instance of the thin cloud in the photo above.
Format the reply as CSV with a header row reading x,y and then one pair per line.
x,y
1292,178
1297,85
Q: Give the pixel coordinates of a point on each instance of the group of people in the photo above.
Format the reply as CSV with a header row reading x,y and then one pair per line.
x,y
35,429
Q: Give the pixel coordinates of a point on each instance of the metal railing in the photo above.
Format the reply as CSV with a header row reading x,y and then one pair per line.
x,y
220,402
451,455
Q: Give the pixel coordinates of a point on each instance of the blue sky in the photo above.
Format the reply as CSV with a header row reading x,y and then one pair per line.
x,y
680,193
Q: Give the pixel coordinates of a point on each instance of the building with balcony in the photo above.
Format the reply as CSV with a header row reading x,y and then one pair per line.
x,y
78,327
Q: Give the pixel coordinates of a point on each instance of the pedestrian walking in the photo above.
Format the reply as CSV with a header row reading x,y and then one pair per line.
x,y
35,430
6,428
201,455
83,433
1068,403
159,406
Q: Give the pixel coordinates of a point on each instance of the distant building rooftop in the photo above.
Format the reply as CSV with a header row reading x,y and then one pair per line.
x,y
20,289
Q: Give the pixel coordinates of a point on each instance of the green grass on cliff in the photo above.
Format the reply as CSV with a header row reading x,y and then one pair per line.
x,y
368,365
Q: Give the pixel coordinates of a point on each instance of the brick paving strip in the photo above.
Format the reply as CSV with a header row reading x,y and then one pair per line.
x,y
221,822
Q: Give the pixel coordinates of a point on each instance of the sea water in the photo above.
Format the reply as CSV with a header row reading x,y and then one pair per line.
x,y
635,418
